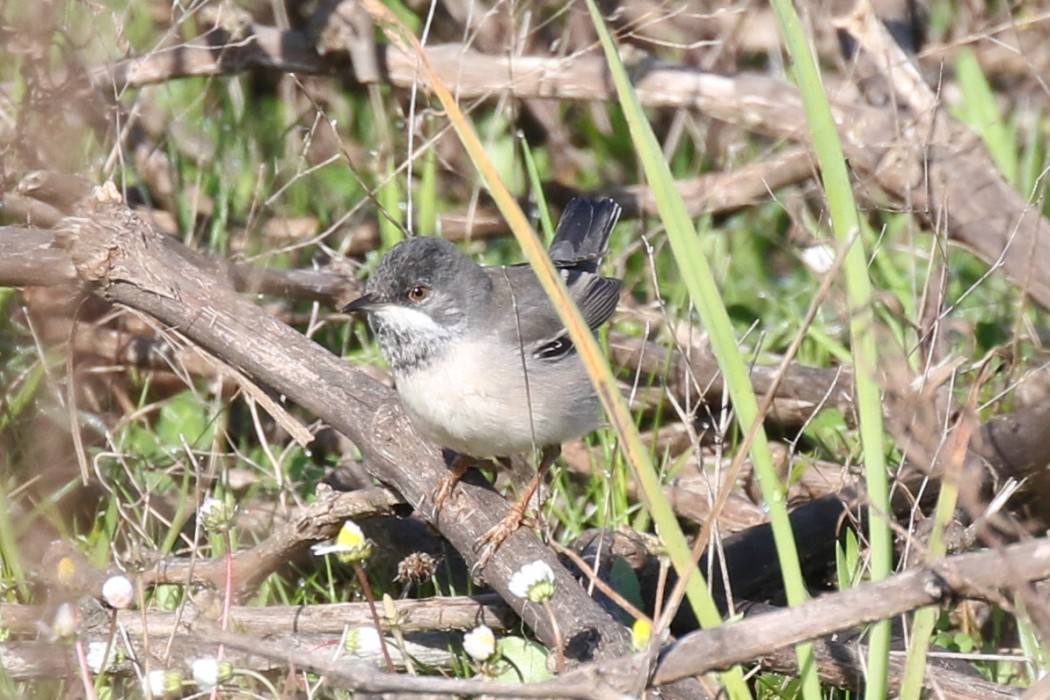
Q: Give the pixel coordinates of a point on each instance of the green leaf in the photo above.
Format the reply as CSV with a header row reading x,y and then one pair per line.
x,y
184,417
980,111
524,660
624,581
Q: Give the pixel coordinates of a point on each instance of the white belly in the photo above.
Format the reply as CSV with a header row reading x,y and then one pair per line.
x,y
480,405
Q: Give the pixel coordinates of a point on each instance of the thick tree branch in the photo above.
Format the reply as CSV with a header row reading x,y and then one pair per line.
x,y
128,263
968,575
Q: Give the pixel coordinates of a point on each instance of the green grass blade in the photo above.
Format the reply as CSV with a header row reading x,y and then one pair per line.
x,y
845,222
980,111
537,186
699,279
388,192
926,619
10,557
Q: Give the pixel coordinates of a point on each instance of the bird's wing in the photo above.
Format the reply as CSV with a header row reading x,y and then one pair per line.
x,y
537,327
578,246
595,295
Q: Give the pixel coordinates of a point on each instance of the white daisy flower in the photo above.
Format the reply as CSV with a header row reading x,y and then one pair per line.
x,y
480,643
534,581
363,641
161,683
818,258
118,591
209,672
64,624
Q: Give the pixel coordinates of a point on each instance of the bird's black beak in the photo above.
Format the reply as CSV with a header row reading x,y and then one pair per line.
x,y
365,302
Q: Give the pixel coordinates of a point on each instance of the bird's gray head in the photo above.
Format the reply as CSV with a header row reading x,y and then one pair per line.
x,y
419,299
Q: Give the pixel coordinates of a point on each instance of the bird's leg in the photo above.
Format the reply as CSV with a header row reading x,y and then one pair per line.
x,y
456,470
492,539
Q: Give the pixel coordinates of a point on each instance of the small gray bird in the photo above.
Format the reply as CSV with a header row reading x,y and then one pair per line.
x,y
481,360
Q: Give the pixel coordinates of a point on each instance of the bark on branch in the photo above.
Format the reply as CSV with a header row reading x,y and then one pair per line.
x,y
128,263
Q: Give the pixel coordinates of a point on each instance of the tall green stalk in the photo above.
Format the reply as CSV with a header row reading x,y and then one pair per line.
x,y
845,222
699,280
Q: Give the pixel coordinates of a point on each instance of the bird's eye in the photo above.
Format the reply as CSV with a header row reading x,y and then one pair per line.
x,y
418,293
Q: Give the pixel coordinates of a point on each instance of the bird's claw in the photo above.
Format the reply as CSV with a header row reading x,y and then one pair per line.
x,y
488,543
459,466
444,491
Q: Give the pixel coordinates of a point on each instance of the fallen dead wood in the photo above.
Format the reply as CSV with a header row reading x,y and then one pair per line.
x,y
930,163
970,575
977,575
842,664
425,614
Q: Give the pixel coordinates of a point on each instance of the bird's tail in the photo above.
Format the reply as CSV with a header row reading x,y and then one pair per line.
x,y
582,233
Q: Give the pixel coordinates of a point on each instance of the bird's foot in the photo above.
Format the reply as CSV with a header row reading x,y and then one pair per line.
x,y
491,540
456,470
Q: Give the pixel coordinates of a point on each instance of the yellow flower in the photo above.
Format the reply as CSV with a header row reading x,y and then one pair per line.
x,y
641,633
350,545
